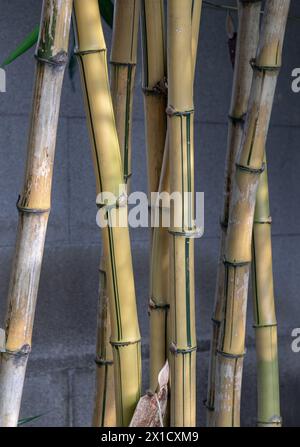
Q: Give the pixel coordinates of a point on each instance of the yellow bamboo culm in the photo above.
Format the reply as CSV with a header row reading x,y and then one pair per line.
x,y
34,205
182,228
265,325
237,259
123,68
125,335
247,40
154,88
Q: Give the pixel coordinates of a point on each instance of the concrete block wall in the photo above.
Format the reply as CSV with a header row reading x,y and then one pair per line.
x,y
60,378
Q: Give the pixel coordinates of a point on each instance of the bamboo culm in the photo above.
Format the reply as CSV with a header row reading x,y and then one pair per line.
x,y
123,67
125,334
265,325
34,205
155,103
180,113
247,40
237,259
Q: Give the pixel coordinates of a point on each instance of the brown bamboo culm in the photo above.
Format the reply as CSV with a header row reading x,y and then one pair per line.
x,y
34,205
125,335
237,259
123,67
265,325
246,47
182,229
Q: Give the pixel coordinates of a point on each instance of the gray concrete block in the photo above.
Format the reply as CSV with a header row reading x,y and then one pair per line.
x,y
46,394
13,149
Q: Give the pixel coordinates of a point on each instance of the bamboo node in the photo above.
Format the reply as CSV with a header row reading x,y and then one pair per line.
x,y
155,306
231,356
171,111
120,202
160,89
27,210
123,64
261,326
80,53
195,233
103,362
24,351
264,68
58,60
208,406
235,263
237,119
216,322
175,350
124,343
250,169
267,220
275,420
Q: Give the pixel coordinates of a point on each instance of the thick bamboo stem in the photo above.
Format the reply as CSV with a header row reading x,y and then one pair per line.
x,y
34,205
125,335
181,240
123,67
247,40
237,259
268,398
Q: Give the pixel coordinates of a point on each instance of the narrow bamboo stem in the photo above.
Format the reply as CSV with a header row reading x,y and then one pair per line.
x,y
104,414
155,98
231,343
247,40
34,205
181,243
268,398
125,335
123,67
155,103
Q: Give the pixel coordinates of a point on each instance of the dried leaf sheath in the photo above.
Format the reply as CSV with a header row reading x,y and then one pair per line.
x,y
182,230
237,259
123,67
265,325
34,205
247,40
125,335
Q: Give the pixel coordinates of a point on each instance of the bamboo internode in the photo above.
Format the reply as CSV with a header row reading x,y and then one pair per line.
x,y
125,335
34,205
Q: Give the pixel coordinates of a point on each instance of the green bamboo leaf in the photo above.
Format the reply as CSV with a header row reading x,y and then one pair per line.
x,y
27,43
107,12
30,419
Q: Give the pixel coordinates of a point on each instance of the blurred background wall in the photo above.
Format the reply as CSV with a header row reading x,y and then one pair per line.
x,y
60,377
